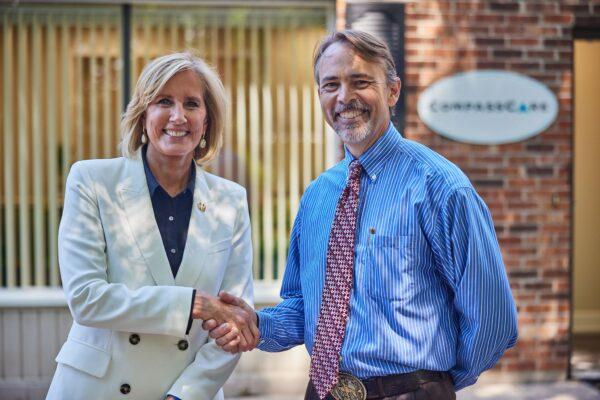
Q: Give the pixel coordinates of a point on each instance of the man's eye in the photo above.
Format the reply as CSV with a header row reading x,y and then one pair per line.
x,y
362,84
329,86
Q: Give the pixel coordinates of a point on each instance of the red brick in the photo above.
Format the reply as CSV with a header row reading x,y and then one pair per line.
x,y
540,7
501,53
503,6
468,6
524,42
557,66
487,18
523,19
558,19
540,54
491,65
575,8
557,43
509,30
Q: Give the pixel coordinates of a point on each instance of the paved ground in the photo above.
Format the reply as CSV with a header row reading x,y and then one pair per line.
x,y
541,391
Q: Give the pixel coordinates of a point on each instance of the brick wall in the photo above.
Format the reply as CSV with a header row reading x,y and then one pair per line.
x,y
527,184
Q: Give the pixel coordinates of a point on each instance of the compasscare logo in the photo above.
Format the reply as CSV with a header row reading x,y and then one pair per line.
x,y
487,107
508,106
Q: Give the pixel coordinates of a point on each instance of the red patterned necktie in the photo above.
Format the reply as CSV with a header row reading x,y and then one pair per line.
x,y
335,303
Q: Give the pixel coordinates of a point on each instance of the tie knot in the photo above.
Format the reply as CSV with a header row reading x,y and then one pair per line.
x,y
354,170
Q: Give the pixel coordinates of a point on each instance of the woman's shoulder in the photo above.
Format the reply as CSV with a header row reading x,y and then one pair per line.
x,y
100,163
217,184
97,169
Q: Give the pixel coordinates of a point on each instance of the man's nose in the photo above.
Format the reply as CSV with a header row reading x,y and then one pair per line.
x,y
345,94
178,114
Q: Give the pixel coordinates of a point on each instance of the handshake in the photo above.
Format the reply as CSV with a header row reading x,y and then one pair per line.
x,y
231,322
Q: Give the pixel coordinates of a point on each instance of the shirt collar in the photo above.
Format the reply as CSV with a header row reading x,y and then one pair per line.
x,y
377,155
153,183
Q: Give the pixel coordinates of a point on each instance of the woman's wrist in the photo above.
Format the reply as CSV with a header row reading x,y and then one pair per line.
x,y
204,306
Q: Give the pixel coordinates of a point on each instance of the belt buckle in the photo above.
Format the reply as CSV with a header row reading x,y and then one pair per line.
x,y
349,387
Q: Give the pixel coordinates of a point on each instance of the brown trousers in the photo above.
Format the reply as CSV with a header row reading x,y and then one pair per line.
x,y
442,390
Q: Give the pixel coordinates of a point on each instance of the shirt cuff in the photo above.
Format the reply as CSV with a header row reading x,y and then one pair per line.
x,y
265,327
190,319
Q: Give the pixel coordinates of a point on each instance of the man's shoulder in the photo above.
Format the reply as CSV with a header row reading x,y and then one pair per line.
x,y
438,170
331,177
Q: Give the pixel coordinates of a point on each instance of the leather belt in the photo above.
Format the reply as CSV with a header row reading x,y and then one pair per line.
x,y
394,385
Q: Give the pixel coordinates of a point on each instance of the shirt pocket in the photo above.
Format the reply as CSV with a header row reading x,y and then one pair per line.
x,y
390,267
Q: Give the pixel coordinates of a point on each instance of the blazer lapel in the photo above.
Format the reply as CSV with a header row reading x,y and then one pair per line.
x,y
200,231
137,204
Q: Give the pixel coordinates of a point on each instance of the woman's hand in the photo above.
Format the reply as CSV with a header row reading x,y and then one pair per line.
x,y
236,320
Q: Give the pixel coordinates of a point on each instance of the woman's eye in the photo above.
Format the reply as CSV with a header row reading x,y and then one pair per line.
x,y
165,101
192,104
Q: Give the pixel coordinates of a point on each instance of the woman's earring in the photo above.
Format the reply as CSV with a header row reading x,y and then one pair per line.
x,y
203,143
144,138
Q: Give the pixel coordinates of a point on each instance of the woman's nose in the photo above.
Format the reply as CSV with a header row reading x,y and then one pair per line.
x,y
178,114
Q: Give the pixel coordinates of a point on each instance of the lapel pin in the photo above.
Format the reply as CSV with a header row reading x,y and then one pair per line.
x,y
202,206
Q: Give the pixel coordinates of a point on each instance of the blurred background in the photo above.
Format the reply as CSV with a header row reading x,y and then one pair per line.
x,y
67,70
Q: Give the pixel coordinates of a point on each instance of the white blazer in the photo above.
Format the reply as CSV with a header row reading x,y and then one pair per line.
x,y
130,314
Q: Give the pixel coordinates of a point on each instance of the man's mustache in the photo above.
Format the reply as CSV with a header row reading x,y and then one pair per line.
x,y
355,105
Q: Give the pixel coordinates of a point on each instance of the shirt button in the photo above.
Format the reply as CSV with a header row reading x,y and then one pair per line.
x,y
125,388
182,345
134,339
173,251
171,218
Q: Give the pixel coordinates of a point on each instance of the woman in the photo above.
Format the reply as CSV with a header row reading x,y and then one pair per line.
x,y
147,241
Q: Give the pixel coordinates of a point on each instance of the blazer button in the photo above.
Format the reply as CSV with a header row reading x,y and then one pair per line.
x,y
125,388
182,345
134,339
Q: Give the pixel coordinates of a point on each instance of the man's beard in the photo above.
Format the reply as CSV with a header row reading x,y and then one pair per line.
x,y
356,132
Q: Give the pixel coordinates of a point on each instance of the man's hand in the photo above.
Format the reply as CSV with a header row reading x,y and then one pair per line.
x,y
233,314
226,335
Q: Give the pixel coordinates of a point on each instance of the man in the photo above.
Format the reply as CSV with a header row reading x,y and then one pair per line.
x,y
394,279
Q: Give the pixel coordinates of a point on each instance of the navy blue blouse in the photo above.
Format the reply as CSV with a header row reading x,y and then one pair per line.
x,y
172,214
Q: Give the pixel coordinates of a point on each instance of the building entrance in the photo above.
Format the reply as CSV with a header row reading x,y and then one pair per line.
x,y
585,360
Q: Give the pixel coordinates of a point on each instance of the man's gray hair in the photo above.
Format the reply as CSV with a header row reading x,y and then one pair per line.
x,y
365,45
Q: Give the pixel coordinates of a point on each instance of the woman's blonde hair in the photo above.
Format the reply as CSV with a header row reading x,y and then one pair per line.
x,y
154,76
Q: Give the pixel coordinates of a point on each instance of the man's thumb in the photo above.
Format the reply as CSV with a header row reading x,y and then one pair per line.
x,y
229,298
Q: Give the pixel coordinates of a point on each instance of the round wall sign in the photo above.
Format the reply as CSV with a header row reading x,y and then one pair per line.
x,y
487,107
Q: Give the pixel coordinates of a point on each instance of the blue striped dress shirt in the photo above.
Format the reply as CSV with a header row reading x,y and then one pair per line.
x,y
430,290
